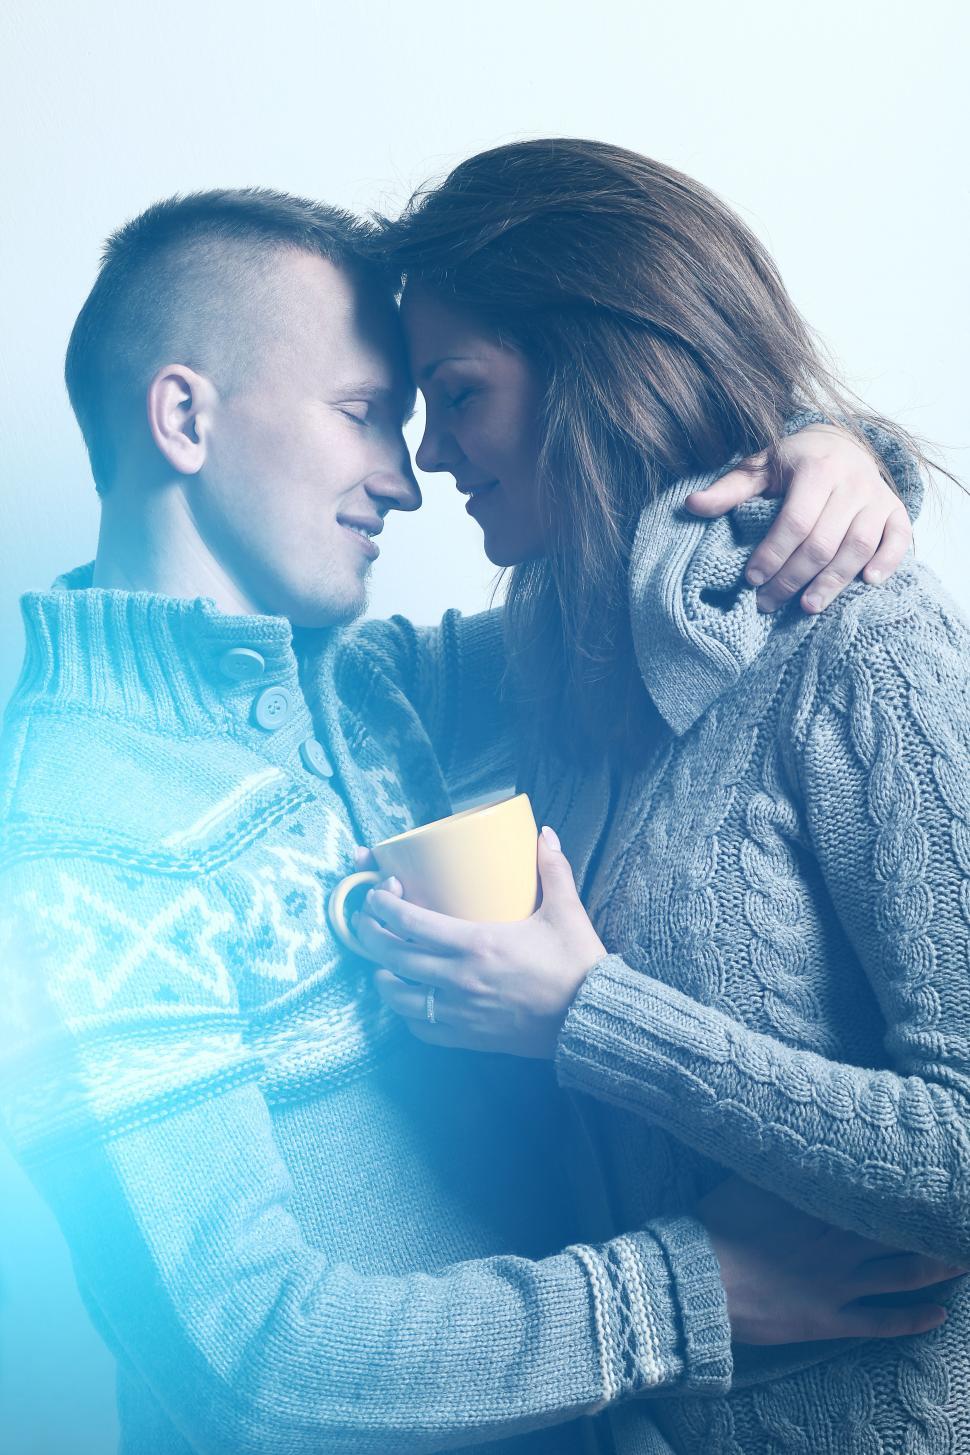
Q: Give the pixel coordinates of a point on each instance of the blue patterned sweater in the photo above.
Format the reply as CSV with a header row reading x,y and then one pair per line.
x,y
298,1229
785,890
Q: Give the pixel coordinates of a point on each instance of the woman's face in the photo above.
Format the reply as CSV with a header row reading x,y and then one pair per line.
x,y
482,403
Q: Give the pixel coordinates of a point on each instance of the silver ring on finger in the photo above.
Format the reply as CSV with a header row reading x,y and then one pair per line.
x,y
429,1008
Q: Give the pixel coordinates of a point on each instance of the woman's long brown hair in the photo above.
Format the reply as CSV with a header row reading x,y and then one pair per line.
x,y
668,346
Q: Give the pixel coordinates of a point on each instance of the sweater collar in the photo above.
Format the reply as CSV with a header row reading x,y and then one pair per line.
x,y
174,665
696,623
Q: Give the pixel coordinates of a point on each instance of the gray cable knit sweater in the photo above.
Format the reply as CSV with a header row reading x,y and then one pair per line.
x,y
785,890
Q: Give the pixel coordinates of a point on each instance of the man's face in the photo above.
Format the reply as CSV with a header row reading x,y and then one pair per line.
x,y
305,453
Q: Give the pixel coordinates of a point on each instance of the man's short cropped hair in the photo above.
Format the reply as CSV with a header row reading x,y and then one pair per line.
x,y
178,284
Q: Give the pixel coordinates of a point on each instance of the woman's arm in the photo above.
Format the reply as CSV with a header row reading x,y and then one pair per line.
x,y
882,747
787,1277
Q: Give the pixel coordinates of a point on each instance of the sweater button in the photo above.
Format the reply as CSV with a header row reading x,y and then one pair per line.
x,y
273,708
242,664
315,760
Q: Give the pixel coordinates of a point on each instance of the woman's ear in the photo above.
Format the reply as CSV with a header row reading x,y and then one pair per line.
x,y
180,405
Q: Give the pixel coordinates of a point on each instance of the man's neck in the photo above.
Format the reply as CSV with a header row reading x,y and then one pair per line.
x,y
149,541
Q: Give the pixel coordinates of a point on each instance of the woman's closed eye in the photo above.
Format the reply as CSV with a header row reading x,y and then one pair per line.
x,y
455,402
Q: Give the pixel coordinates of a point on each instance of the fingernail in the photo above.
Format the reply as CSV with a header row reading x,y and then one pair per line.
x,y
756,577
393,885
764,604
812,603
551,837
874,577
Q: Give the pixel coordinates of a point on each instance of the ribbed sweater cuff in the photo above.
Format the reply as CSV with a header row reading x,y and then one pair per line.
x,y
630,1040
606,1049
699,1303
660,1311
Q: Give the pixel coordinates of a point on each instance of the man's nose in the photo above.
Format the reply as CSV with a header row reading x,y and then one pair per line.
x,y
394,487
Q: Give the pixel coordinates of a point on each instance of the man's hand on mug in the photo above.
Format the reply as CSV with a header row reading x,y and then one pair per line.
x,y
496,987
790,1278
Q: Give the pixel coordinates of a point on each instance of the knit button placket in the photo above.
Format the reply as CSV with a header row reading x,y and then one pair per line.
x,y
273,708
315,760
242,664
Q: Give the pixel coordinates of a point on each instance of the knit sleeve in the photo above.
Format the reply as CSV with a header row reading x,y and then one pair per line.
x,y
454,677
881,745
128,1091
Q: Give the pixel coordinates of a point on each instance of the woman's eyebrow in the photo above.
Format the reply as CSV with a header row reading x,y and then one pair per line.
x,y
429,369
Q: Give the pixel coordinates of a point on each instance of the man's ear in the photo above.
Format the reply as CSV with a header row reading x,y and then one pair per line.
x,y
180,405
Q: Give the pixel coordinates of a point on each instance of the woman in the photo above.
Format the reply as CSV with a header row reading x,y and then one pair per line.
x,y
768,816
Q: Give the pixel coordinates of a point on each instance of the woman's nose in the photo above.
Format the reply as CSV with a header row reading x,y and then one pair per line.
x,y
437,451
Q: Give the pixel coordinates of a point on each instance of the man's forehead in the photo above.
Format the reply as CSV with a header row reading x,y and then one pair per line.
x,y
345,326
321,295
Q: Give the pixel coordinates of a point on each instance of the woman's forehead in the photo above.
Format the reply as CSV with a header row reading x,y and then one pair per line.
x,y
438,331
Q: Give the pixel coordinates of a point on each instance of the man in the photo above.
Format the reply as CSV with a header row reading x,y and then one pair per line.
x,y
298,1228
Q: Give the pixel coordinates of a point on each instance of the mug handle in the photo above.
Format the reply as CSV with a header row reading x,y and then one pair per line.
x,y
336,911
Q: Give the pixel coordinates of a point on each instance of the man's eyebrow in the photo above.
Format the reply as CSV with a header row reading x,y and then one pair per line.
x,y
373,389
429,369
361,389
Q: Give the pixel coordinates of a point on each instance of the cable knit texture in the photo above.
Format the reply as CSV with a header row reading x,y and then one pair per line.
x,y
785,892
298,1228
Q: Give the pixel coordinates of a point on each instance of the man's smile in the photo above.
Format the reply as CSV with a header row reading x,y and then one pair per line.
x,y
364,528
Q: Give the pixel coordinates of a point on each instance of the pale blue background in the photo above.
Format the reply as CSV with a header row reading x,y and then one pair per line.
x,y
839,131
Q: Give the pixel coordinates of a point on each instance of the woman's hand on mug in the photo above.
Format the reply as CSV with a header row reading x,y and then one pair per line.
x,y
497,987
790,1278
839,517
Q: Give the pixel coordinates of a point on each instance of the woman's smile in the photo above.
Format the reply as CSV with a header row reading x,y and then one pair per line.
x,y
478,496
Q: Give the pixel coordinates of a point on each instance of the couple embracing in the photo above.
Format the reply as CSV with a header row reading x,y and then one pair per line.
x,y
680,1162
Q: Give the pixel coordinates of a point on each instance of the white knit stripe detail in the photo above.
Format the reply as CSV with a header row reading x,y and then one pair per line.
x,y
602,1296
222,810
629,1260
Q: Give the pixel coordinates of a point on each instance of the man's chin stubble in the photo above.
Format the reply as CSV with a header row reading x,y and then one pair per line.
x,y
331,614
